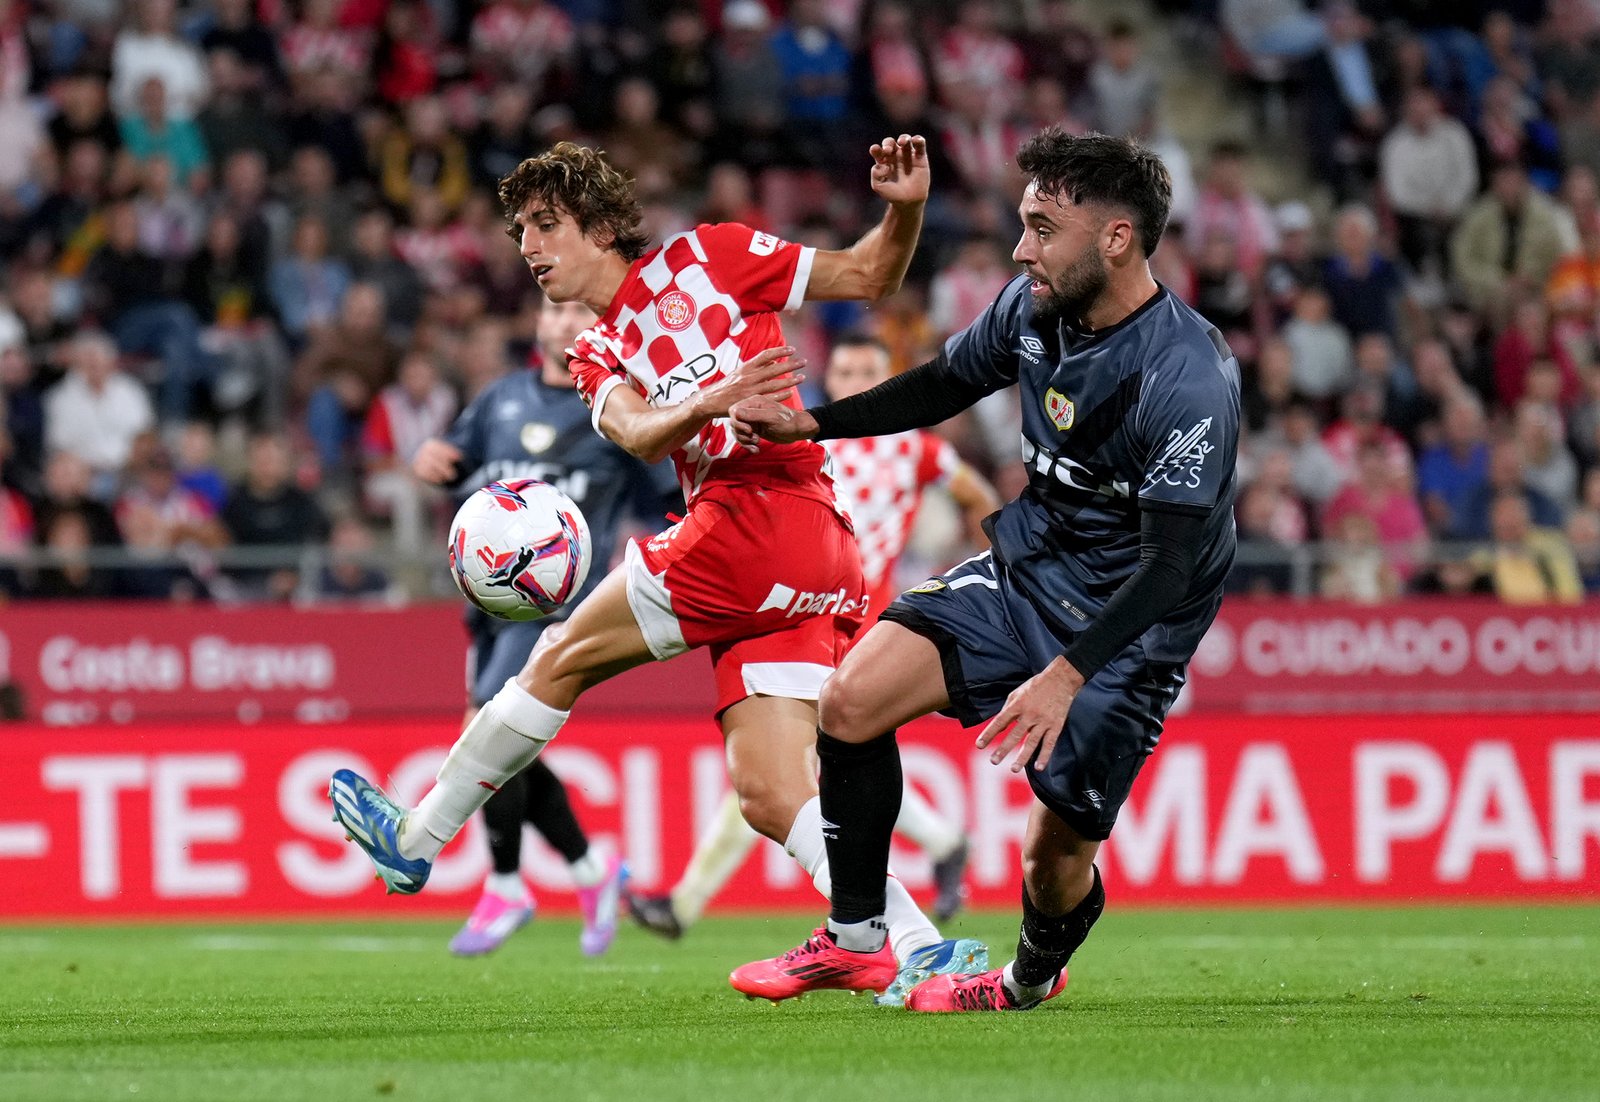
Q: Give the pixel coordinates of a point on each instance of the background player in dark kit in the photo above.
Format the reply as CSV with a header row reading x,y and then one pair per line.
x,y
533,424
1071,637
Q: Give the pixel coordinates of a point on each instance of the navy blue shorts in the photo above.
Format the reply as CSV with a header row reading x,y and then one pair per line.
x,y
498,651
991,639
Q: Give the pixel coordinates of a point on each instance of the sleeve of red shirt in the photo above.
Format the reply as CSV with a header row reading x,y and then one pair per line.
x,y
760,271
596,365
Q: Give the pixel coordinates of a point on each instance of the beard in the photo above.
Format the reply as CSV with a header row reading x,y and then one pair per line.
x,y
1073,291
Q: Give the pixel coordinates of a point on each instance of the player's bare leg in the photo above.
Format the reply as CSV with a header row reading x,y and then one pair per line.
x,y
601,640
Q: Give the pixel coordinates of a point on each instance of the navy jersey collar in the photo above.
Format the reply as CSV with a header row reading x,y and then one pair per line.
x,y
1072,336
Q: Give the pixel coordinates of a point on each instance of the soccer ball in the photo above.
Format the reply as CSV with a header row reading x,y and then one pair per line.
x,y
519,549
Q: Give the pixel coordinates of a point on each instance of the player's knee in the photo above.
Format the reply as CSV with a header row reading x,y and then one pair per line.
x,y
843,710
768,809
554,667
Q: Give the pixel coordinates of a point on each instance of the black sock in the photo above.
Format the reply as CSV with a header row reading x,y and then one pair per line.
x,y
503,816
1048,941
550,811
860,787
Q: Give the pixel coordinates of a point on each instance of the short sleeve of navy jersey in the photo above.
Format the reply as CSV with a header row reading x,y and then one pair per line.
x,y
1187,423
985,352
466,432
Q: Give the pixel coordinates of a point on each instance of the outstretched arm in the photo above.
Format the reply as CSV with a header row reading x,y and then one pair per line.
x,y
874,266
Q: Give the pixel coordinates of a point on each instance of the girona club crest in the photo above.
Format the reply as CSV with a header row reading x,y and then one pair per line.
x,y
675,311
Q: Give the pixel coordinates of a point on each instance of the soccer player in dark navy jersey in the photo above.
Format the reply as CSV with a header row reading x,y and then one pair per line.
x,y
533,424
1070,637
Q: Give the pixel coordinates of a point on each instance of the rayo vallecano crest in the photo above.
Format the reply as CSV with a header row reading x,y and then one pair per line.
x,y
1059,408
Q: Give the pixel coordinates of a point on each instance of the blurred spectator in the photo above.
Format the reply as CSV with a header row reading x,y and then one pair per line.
x,y
1567,55
748,83
1415,411
1507,243
376,262
22,419
308,286
679,66
341,369
349,573
1452,471
1525,341
68,485
1361,282
170,221
425,156
1530,564
1275,30
1292,267
816,83
236,115
97,410
1224,296
155,132
153,49
66,535
528,41
267,510
1344,111
159,519
405,55
318,43
323,115
1430,174
196,464
640,143
1574,284
1359,425
230,298
236,32
1360,570
730,197
976,63
1267,384
1382,492
1319,348
1548,467
440,250
1124,88
1317,477
1230,207
313,189
962,290
1511,132
504,137
1059,44
262,221
1583,536
1583,425
16,514
83,113
892,58
1506,474
420,405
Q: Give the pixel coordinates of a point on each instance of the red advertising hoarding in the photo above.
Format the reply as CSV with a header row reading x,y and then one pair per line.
x,y
129,662
190,821
1289,657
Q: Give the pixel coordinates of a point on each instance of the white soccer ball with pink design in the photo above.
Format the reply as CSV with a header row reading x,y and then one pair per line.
x,y
520,549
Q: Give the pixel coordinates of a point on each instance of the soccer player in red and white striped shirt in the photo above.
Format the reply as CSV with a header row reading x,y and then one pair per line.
x,y
763,569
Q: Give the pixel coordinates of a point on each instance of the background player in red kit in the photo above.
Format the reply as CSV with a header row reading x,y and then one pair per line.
x,y
763,569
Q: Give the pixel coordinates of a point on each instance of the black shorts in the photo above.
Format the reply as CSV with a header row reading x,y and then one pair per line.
x,y
497,653
991,639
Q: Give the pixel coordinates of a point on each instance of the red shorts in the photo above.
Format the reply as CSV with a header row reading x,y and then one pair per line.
x,y
769,581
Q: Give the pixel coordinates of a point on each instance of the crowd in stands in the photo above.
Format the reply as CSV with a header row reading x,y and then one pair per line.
x,y
252,256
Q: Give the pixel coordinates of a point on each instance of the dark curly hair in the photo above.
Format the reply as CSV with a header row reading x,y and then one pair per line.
x,y
580,182
1100,169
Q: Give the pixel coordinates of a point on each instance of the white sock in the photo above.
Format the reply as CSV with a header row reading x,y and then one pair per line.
x,y
507,885
1021,995
807,846
717,856
932,833
590,870
909,928
500,742
903,922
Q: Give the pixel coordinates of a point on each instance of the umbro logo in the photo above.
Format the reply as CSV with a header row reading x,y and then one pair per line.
x,y
1032,349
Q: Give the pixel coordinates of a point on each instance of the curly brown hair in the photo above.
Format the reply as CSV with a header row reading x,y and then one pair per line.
x,y
580,182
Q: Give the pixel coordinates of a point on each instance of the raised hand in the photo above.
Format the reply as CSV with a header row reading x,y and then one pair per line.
x,y
1034,716
900,169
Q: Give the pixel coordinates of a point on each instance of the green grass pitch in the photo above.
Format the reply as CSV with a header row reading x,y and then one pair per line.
x,y
1349,1004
